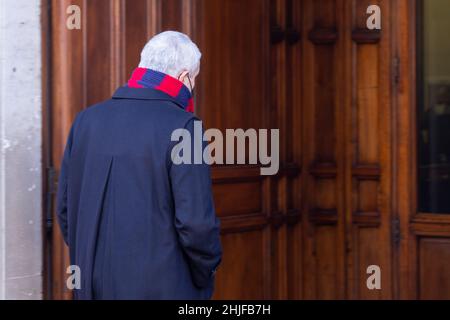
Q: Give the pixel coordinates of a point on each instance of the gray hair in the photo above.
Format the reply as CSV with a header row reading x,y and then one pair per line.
x,y
171,52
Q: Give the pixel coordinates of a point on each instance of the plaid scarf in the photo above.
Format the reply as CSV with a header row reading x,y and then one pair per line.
x,y
147,78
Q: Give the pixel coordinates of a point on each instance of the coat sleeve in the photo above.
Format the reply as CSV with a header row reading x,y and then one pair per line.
x,y
196,223
61,207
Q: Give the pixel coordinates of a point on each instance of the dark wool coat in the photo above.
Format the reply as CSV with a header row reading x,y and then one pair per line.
x,y
137,225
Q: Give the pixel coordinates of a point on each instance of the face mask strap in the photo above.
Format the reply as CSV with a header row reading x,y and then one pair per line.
x,y
190,83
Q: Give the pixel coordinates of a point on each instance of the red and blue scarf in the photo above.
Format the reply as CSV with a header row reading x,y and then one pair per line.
x,y
147,78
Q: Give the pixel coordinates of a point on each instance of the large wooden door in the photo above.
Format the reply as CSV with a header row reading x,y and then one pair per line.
x,y
242,85
310,68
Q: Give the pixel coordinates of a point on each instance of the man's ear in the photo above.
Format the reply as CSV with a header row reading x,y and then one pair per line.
x,y
183,75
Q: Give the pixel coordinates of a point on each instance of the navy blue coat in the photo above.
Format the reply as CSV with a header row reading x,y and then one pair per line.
x,y
137,225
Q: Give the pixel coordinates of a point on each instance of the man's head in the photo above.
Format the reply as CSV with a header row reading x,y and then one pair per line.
x,y
173,53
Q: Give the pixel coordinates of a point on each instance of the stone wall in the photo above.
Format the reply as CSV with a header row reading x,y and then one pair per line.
x,y
21,143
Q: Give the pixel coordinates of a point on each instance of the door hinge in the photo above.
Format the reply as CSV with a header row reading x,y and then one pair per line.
x,y
396,233
396,70
51,191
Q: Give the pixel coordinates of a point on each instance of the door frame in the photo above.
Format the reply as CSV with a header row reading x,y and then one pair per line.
x,y
47,192
413,224
404,135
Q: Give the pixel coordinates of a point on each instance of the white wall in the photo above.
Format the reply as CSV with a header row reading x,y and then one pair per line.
x,y
20,156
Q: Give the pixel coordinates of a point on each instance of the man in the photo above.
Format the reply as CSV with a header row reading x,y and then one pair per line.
x,y
137,225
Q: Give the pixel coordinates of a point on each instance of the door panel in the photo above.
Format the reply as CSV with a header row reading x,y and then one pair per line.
x,y
233,86
434,278
233,92
323,163
369,166
245,273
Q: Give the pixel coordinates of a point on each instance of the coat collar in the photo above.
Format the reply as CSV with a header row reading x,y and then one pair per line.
x,y
143,94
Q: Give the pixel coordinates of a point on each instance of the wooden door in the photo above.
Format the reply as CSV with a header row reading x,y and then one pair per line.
x,y
242,85
310,68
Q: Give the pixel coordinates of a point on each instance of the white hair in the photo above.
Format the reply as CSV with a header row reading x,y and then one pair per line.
x,y
172,53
